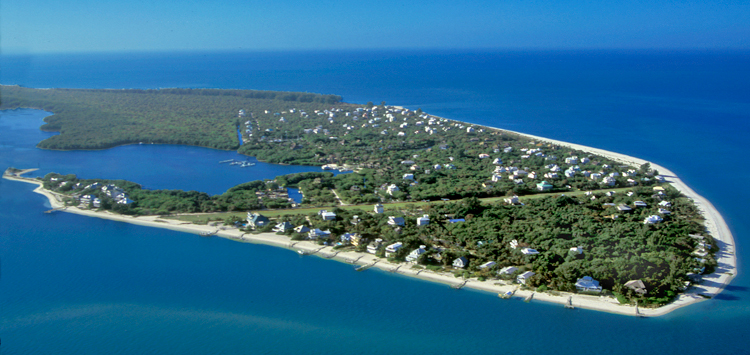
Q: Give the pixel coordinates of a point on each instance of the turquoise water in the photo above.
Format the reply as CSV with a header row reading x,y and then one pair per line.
x,y
76,285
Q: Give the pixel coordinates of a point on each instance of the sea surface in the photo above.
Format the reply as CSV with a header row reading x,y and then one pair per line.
x,y
71,284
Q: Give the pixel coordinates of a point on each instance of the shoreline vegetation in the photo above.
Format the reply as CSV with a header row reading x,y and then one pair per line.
x,y
577,206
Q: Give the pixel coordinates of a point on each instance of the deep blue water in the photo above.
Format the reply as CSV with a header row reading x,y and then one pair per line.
x,y
71,284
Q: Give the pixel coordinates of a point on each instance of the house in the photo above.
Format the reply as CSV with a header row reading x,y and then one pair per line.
x,y
608,181
576,250
414,255
484,156
356,239
392,249
318,234
391,189
588,284
637,286
624,208
544,186
496,178
396,221
512,200
326,215
665,204
652,219
456,220
409,177
470,130
529,251
640,204
523,278
256,220
513,244
532,175
460,262
663,211
346,238
423,221
283,227
508,270
497,161
373,247
378,208
301,229
487,265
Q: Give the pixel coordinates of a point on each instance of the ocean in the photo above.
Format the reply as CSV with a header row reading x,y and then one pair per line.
x,y
71,284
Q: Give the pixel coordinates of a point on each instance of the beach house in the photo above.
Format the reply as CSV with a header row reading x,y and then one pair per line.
x,y
588,284
524,277
392,249
256,220
283,227
508,270
460,262
416,253
487,265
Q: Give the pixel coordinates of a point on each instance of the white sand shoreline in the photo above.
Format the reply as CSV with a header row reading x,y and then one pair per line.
x,y
712,285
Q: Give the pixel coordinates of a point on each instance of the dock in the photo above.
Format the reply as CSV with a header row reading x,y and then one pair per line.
x,y
529,298
365,267
459,286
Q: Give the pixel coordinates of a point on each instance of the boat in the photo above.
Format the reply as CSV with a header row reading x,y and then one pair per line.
x,y
302,252
235,163
226,161
506,295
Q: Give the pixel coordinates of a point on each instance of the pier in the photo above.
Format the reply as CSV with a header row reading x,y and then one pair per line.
x,y
365,267
459,286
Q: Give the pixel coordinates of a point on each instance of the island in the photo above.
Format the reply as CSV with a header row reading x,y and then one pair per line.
x,y
426,196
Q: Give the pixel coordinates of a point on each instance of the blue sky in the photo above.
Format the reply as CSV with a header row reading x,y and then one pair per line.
x,y
37,26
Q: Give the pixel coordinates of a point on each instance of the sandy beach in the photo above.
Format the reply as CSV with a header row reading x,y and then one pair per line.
x,y
712,285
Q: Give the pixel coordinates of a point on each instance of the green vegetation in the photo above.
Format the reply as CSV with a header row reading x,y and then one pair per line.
x,y
98,119
413,163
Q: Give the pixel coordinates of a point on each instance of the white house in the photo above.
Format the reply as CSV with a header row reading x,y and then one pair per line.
x,y
529,251
408,176
588,284
525,277
301,229
608,181
414,255
391,189
497,161
484,156
663,211
577,250
652,219
469,129
640,204
392,249
283,227
512,200
460,262
487,265
665,204
378,208
317,233
326,215
423,221
508,270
